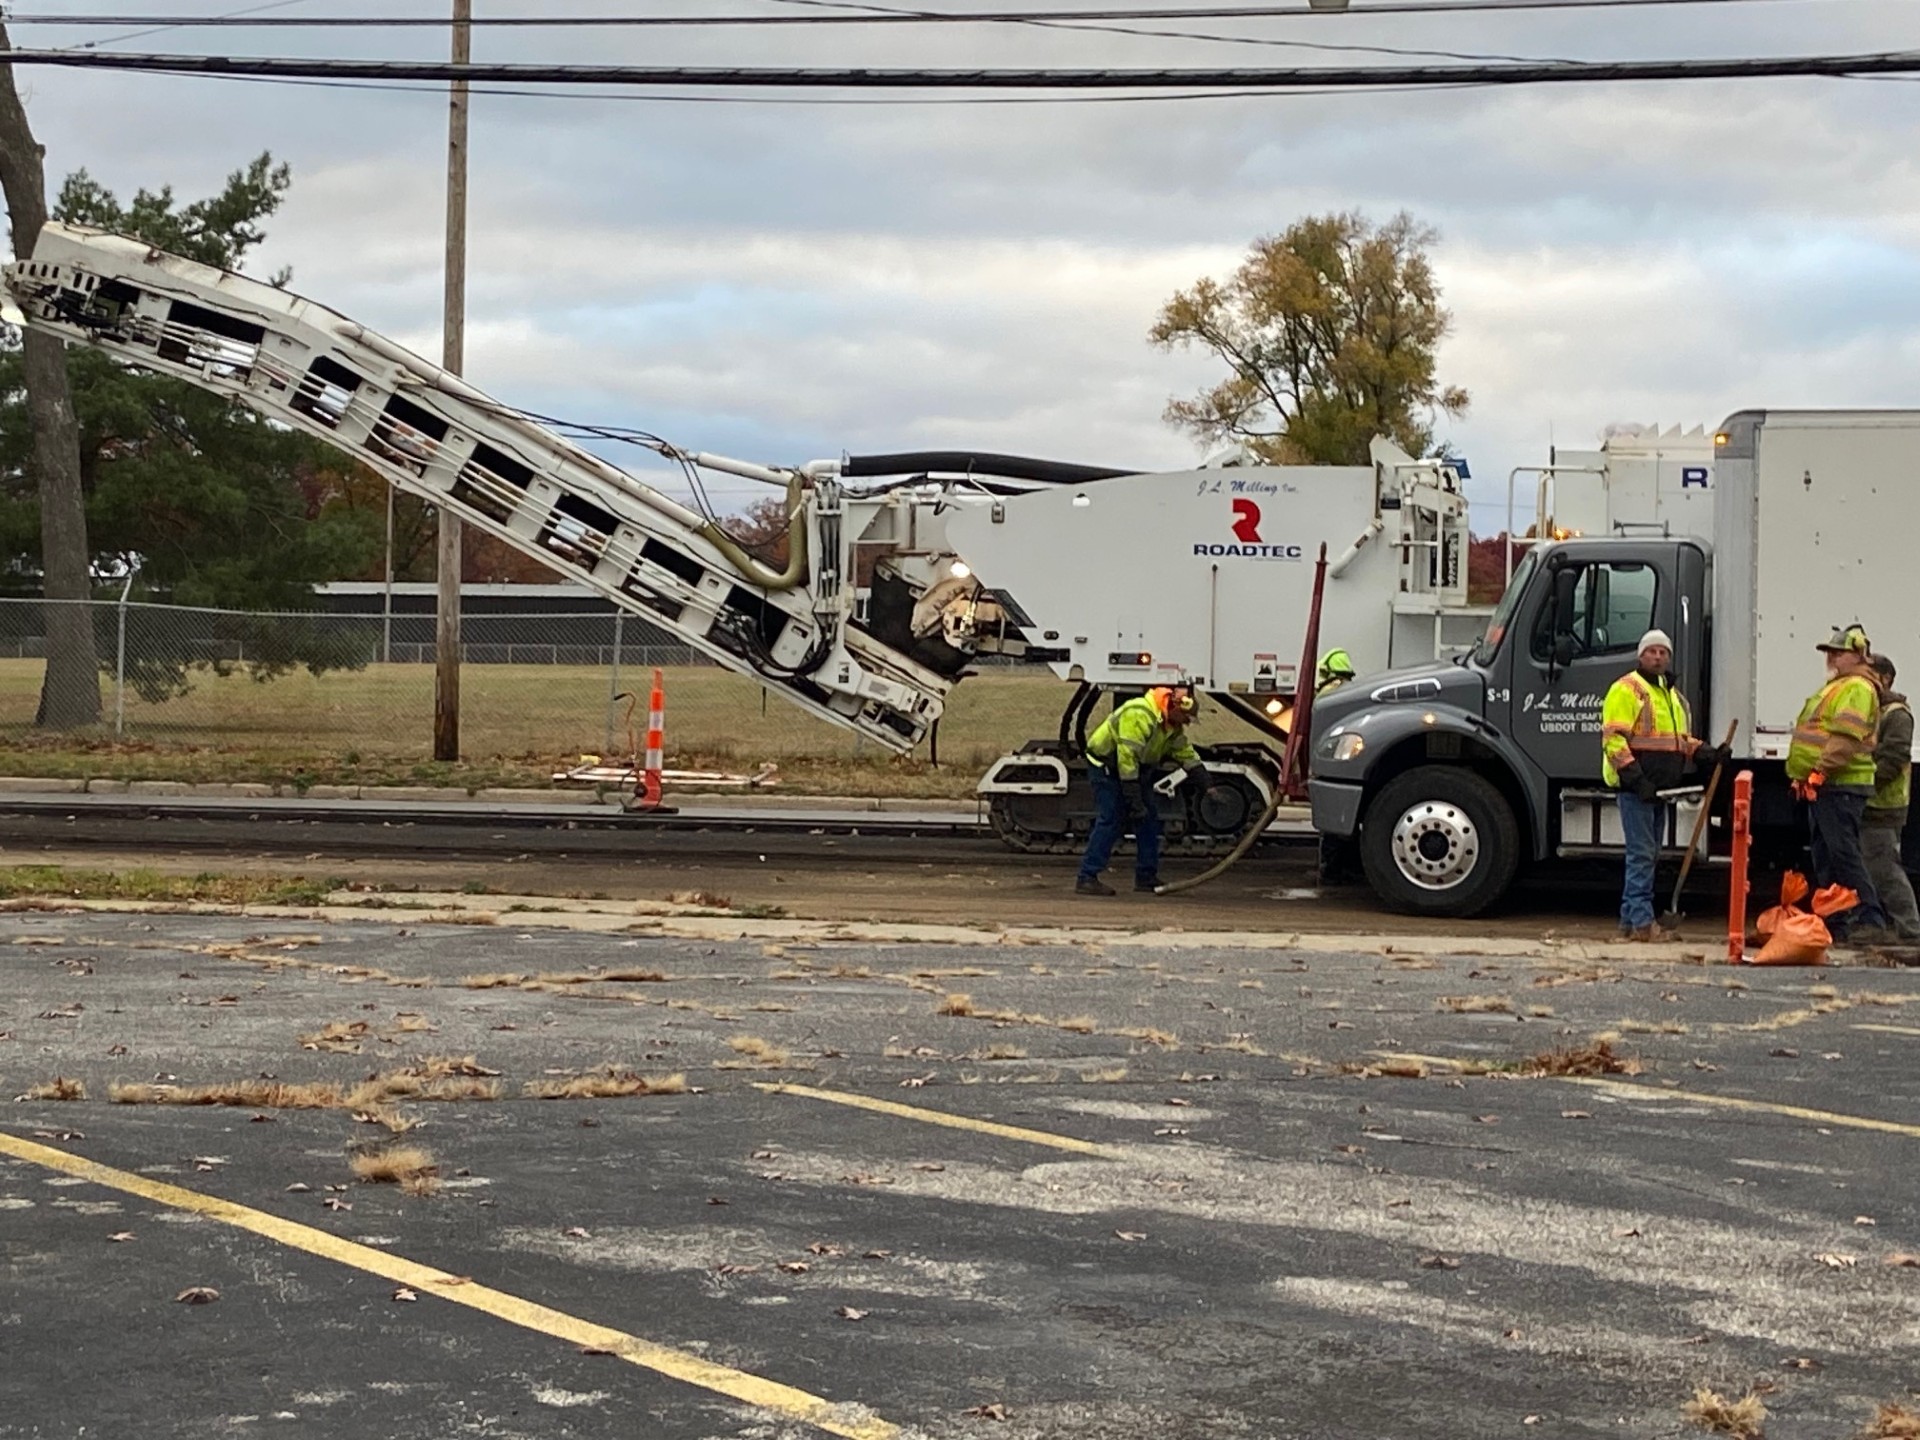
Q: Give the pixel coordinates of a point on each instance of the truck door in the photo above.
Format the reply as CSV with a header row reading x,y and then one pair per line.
x,y
1583,635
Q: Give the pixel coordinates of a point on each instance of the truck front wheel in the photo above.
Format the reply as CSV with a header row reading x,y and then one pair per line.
x,y
1439,840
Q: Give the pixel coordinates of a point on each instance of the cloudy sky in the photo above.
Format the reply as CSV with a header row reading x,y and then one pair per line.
x,y
782,281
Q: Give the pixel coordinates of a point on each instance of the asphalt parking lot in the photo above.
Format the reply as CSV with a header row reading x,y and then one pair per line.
x,y
1030,1190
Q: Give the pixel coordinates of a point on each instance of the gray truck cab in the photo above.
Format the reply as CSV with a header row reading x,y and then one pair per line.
x,y
1446,777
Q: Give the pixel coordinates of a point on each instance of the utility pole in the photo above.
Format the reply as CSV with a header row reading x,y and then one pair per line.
x,y
453,335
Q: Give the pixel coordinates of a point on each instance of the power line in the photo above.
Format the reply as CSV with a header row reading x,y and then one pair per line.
x,y
728,77
870,15
685,98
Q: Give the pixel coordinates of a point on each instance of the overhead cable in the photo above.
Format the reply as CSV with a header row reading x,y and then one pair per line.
x,y
1193,78
872,15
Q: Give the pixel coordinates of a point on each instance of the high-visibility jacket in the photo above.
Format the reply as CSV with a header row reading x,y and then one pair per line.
x,y
1645,722
1835,733
1136,737
1893,758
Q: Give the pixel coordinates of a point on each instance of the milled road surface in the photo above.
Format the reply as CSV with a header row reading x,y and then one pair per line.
x,y
1166,1196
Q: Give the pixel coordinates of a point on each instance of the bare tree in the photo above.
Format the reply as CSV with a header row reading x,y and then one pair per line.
x,y
70,690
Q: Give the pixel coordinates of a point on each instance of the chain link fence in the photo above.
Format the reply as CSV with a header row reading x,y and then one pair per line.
x,y
535,682
543,682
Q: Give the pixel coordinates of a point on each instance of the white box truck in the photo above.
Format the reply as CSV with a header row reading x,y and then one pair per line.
x,y
1447,778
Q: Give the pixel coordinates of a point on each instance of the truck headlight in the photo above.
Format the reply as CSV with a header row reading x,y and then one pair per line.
x,y
1345,746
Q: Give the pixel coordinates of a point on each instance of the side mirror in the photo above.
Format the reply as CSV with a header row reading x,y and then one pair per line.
x,y
1563,650
1564,582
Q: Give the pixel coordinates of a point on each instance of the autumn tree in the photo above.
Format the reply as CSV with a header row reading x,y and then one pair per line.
x,y
1328,332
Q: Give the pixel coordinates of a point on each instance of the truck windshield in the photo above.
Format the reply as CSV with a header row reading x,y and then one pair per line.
x,y
1489,645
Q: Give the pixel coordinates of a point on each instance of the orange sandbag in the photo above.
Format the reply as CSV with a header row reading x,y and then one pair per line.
x,y
1833,899
1793,889
1799,939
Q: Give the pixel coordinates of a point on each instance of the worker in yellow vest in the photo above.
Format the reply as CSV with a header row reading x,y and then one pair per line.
x,y
1886,817
1647,745
1125,753
1830,762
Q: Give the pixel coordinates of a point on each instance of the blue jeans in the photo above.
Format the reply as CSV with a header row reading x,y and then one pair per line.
x,y
1643,822
1110,823
1836,816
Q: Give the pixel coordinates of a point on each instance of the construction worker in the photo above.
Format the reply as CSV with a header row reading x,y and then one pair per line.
x,y
1647,745
1886,816
1830,762
1336,669
1124,754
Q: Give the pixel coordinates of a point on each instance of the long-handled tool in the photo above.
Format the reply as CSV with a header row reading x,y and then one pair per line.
x,y
1673,917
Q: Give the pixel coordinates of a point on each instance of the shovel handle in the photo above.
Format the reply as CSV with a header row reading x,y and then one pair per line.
x,y
1700,823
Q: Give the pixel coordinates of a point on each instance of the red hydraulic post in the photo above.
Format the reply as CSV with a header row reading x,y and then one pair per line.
x,y
1293,767
1737,885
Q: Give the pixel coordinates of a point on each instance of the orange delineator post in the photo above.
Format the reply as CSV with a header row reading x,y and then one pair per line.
x,y
656,742
1737,884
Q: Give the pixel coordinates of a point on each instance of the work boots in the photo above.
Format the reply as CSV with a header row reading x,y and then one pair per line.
x,y
1084,886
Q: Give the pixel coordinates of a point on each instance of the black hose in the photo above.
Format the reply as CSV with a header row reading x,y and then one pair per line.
x,y
969,462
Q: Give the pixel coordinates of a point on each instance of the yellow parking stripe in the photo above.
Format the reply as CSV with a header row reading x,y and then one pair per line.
x,y
1649,1092
1889,1029
941,1117
1729,1102
769,1395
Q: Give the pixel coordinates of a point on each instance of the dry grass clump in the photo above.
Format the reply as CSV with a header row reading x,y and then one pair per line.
x,y
58,1088
704,899
1653,1027
955,1004
1239,1044
1078,1024
495,981
342,1037
408,1085
610,1083
1111,1076
252,1094
1476,1004
1147,1035
1744,1419
1597,1057
755,1053
411,1167
995,1052
1893,1421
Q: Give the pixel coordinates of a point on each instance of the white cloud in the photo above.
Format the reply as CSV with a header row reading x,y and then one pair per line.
x,y
788,281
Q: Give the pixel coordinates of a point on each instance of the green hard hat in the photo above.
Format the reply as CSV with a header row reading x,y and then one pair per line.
x,y
1336,662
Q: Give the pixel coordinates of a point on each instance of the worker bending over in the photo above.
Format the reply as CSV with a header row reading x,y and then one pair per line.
x,y
1886,815
1647,745
1125,754
1830,763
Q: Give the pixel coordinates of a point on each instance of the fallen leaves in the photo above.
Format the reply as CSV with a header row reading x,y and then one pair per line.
x,y
1833,1260
120,1237
847,1312
1576,1114
1904,1259
197,1295
1130,1235
1439,1262
995,1411
576,1232
404,1295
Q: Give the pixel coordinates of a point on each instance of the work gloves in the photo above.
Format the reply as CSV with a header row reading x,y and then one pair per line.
x,y
1809,788
1198,778
1709,758
1635,780
1133,795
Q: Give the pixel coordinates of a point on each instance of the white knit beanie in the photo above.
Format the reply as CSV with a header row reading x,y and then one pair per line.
x,y
1655,637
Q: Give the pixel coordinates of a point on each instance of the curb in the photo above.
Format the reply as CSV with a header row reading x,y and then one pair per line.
x,y
452,795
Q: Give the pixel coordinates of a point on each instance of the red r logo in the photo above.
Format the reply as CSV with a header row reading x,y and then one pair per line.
x,y
1246,525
